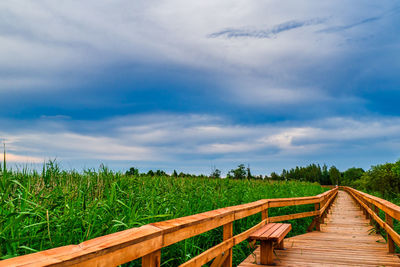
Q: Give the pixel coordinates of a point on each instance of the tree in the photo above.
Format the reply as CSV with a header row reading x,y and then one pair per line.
x,y
383,178
238,173
150,173
249,176
216,174
132,172
325,175
175,174
275,176
334,175
351,175
396,168
161,173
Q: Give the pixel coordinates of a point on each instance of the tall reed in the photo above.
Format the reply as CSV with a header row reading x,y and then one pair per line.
x,y
57,207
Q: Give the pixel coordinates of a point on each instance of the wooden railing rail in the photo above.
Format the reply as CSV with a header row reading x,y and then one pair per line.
x,y
146,241
371,206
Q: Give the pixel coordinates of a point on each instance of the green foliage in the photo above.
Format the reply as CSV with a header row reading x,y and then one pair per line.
x,y
334,175
351,175
396,168
238,173
311,173
216,174
132,171
58,207
381,179
275,176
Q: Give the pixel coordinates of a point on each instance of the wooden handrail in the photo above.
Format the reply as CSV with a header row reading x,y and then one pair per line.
x,y
371,205
146,241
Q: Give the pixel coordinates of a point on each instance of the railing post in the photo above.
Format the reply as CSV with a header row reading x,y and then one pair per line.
x,y
389,221
264,214
228,233
367,215
317,219
322,204
376,209
152,260
371,218
364,211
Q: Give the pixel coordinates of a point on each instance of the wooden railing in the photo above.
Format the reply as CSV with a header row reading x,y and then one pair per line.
x,y
370,206
146,242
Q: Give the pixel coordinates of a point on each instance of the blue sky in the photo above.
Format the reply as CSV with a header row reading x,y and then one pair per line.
x,y
182,85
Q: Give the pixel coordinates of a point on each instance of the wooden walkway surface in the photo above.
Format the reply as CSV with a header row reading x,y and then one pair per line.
x,y
344,240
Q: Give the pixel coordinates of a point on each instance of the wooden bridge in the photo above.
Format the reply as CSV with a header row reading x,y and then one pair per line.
x,y
342,219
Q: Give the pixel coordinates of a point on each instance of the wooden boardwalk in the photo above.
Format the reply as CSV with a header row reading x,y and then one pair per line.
x,y
344,240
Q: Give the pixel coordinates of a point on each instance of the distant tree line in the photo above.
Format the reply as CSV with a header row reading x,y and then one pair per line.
x,y
382,178
310,173
135,172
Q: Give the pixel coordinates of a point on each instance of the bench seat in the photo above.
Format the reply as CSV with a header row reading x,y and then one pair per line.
x,y
269,235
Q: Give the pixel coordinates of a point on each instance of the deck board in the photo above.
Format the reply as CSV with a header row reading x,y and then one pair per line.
x,y
344,240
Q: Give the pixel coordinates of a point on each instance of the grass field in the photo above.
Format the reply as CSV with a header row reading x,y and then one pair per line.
x,y
56,208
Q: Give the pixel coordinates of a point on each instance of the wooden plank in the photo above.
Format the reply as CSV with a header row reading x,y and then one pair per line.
x,y
219,260
344,240
293,216
179,234
210,254
262,230
388,207
284,202
281,233
266,235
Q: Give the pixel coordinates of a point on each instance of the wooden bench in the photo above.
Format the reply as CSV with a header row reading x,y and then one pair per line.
x,y
269,235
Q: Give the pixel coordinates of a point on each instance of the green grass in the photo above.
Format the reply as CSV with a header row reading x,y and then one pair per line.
x,y
57,208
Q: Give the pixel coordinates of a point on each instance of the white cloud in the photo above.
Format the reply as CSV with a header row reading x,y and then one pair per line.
x,y
180,140
24,159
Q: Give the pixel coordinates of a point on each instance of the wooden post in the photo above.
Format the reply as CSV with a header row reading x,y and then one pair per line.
x,y
266,252
317,222
280,245
389,221
362,207
323,216
376,209
152,260
367,215
371,219
264,214
228,233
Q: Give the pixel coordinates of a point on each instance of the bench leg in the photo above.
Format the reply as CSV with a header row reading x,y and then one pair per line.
x,y
280,245
266,252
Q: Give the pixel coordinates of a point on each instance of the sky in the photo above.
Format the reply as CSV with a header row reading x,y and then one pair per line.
x,y
193,85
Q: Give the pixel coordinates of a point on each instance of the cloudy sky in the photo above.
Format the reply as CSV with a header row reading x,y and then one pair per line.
x,y
186,85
